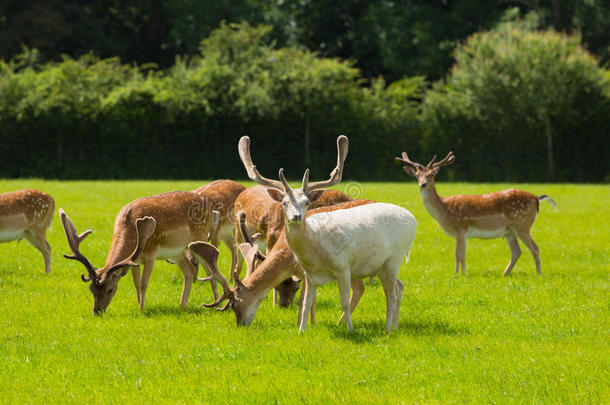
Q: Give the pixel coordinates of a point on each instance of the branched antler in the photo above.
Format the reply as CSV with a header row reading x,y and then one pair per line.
x,y
74,241
405,159
251,239
335,175
244,153
209,254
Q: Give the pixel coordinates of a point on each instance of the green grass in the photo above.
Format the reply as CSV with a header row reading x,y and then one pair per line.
x,y
480,338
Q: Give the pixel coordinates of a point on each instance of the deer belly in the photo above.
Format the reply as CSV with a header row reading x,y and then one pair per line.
x,y
9,235
169,252
486,233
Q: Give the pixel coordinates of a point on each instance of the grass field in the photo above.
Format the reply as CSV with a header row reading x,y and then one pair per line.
x,y
480,338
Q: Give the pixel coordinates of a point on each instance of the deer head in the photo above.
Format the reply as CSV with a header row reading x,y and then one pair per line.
x,y
294,202
104,281
424,174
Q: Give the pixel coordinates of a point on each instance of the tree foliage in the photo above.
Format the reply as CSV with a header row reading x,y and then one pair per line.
x,y
523,104
100,118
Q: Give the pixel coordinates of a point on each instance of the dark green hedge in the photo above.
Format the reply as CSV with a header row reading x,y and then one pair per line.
x,y
92,118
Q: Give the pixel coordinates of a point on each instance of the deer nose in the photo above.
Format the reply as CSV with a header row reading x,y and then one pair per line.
x,y
423,185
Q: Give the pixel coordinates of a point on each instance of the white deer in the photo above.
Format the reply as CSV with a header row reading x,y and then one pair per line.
x,y
508,213
353,243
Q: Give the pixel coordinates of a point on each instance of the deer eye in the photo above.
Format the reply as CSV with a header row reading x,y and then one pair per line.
x,y
109,291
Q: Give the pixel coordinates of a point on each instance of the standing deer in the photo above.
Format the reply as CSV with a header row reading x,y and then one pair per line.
x,y
27,214
222,195
342,245
508,213
147,229
264,215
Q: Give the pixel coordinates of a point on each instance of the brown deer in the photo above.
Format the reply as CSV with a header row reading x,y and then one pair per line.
x,y
222,195
27,214
147,229
508,213
264,215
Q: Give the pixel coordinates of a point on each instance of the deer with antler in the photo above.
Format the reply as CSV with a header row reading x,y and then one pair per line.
x,y
147,229
508,213
343,245
264,216
27,214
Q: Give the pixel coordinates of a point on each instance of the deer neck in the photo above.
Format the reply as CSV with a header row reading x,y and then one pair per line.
x,y
434,203
277,267
298,237
122,245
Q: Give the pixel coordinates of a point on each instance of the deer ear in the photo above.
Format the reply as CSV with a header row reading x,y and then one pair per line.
x,y
275,194
409,170
315,195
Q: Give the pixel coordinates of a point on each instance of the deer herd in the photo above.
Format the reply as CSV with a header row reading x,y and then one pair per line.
x,y
282,234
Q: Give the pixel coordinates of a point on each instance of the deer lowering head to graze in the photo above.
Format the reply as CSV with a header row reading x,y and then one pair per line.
x,y
27,214
343,245
149,228
222,195
508,213
279,264
264,215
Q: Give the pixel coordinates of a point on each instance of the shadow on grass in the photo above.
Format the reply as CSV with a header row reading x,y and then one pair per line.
x,y
365,331
173,310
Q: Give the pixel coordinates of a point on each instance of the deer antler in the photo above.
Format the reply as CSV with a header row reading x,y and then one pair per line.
x,y
335,175
145,227
405,159
74,241
244,153
450,158
241,217
209,254
249,253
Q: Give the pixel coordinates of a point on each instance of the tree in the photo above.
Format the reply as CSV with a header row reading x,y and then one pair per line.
x,y
523,92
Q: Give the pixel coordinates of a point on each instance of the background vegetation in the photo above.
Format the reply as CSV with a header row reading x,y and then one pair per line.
x,y
480,338
155,89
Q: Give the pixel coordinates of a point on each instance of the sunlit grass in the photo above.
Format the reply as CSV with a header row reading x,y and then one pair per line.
x,y
479,338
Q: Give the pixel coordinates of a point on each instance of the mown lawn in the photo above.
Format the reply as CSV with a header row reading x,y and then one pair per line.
x,y
480,338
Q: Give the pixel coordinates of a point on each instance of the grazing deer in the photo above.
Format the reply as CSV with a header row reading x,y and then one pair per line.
x,y
147,229
508,213
27,214
279,264
222,195
264,215
342,245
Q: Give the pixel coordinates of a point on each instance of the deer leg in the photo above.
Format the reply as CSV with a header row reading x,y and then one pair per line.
x,y
515,252
210,277
399,289
357,291
146,272
531,245
460,254
309,297
229,240
239,260
344,283
189,271
135,273
312,312
390,290
39,241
